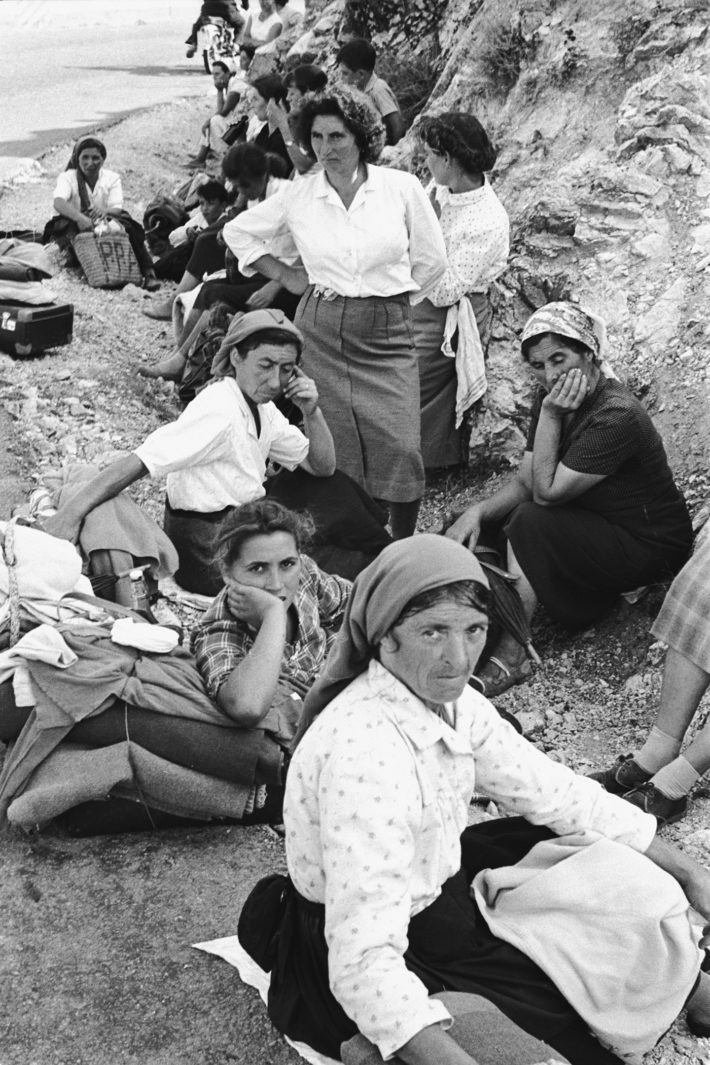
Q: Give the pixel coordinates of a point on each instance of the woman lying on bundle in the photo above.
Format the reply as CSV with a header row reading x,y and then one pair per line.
x,y
262,643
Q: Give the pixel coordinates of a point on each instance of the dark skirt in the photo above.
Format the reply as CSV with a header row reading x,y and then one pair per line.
x,y
579,562
195,537
450,949
361,354
236,296
442,443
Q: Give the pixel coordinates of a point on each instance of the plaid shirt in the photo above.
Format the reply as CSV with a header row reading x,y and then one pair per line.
x,y
220,641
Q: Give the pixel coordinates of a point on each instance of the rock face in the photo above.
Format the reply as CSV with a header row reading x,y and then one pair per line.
x,y
604,168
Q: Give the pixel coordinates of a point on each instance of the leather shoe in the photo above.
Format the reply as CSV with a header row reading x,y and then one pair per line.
x,y
625,775
652,801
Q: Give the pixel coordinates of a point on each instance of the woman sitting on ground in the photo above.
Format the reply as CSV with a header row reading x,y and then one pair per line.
x,y
231,86
593,510
264,640
212,200
87,194
378,910
476,233
255,176
263,129
263,27
658,777
302,84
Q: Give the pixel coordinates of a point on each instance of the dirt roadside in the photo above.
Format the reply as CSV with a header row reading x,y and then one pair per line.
x,y
96,934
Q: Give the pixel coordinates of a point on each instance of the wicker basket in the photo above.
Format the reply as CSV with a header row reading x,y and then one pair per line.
x,y
107,260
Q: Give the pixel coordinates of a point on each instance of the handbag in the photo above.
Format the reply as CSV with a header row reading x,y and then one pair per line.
x,y
107,259
236,132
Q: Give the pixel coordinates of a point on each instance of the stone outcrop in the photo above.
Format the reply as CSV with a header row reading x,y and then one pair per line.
x,y
604,167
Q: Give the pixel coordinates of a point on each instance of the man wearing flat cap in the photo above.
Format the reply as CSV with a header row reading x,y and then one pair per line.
x,y
216,453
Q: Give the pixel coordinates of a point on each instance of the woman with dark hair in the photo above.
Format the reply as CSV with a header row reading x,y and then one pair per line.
x,y
264,640
476,234
302,84
593,510
570,898
369,242
216,453
87,194
265,94
263,27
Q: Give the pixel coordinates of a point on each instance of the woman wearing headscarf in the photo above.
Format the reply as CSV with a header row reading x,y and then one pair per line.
x,y
452,327
593,510
377,912
370,244
86,194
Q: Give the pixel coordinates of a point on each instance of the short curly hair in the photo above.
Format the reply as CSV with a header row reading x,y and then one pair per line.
x,y
354,110
263,517
462,137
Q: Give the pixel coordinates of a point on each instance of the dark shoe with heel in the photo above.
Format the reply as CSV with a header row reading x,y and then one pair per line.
x,y
624,776
652,801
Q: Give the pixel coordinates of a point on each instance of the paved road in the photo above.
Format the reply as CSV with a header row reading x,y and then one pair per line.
x,y
67,66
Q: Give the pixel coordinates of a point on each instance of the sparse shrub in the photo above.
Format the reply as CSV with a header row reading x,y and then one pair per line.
x,y
411,77
627,33
503,47
572,58
402,20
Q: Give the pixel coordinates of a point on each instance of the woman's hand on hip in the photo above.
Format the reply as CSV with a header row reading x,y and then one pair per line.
x,y
302,391
250,604
467,528
567,394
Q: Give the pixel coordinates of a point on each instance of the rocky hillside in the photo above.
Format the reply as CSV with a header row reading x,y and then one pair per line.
x,y
601,113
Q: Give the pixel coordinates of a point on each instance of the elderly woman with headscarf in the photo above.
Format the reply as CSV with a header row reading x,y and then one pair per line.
x,y
593,510
370,244
377,911
215,455
86,194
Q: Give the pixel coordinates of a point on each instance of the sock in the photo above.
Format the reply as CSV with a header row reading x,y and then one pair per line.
x,y
676,779
658,750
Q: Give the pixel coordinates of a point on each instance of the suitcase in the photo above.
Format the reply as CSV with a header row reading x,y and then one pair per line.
x,y
25,330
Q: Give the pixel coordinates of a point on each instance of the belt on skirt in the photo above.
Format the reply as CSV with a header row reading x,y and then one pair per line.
x,y
320,292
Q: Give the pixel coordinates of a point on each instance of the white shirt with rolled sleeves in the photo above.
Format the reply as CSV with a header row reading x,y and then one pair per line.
x,y
107,194
389,240
376,799
212,455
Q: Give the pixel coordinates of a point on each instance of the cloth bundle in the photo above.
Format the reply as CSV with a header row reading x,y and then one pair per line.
x,y
470,362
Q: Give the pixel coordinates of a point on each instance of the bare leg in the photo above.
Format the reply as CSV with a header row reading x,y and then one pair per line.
x,y
683,686
403,518
172,367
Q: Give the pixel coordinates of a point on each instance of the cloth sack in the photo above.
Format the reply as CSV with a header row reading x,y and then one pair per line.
x,y
107,259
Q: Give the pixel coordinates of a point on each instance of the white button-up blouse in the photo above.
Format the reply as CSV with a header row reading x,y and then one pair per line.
x,y
387,242
376,800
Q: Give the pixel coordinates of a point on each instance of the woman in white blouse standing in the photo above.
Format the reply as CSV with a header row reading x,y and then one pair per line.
x,y
370,245
476,232
378,912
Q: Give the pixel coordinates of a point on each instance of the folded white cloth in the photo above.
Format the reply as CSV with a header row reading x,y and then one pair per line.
x,y
145,637
43,644
470,363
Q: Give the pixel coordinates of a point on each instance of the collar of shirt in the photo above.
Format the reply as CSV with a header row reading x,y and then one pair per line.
x,y
419,724
448,198
324,190
245,409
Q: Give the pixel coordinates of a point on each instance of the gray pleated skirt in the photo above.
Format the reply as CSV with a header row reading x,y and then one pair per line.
x,y
361,354
442,443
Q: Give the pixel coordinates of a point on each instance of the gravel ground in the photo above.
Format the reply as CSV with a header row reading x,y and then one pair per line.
x,y
96,933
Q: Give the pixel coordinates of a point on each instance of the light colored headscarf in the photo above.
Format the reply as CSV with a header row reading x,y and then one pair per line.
x,y
568,320
243,326
379,595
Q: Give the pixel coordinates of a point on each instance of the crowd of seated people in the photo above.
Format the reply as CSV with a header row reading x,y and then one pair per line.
x,y
356,311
